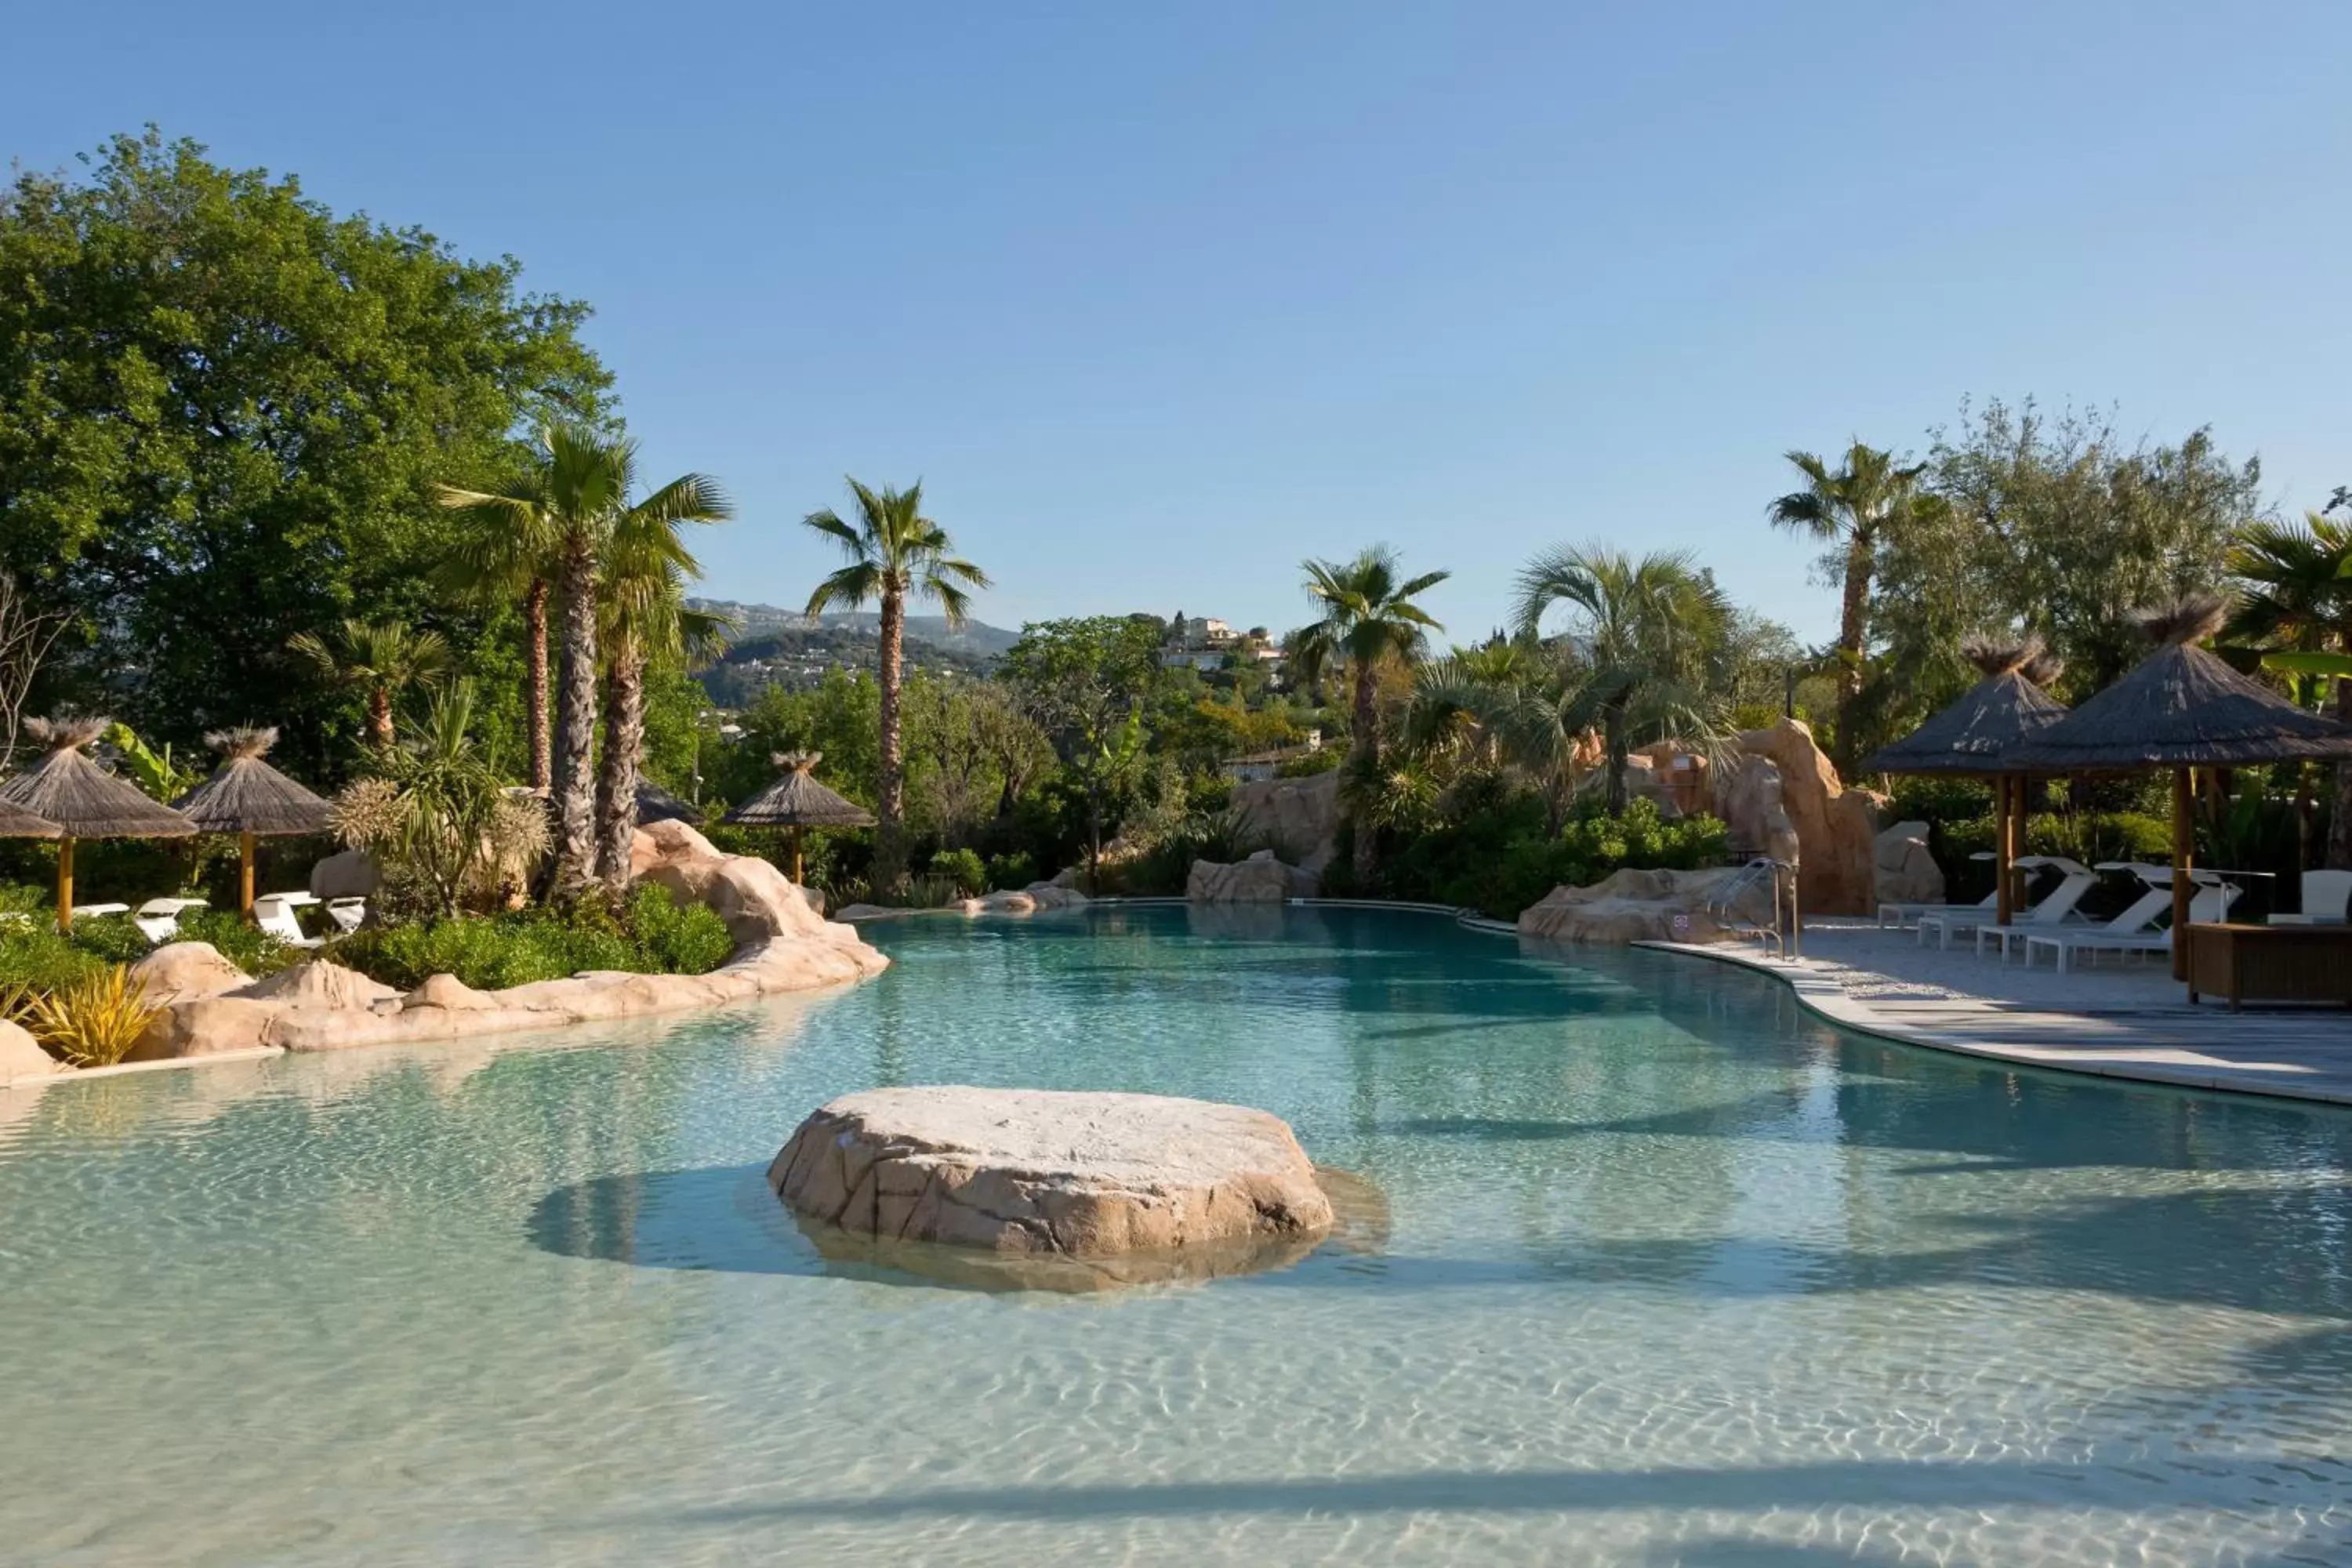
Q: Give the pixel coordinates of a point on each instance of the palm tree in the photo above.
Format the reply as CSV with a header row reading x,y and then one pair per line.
x,y
507,552
1368,619
382,659
2293,594
894,550
1857,504
570,500
642,581
1642,640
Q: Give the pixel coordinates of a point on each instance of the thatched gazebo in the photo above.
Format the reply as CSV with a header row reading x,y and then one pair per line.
x,y
2182,709
82,799
248,797
797,801
1972,737
655,804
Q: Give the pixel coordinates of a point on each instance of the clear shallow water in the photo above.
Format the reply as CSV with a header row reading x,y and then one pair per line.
x,y
1672,1276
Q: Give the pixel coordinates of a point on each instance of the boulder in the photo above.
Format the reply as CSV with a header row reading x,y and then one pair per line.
x,y
348,874
448,992
1801,805
1631,905
1260,879
1043,1173
1907,870
22,1058
181,971
1300,818
207,1026
317,984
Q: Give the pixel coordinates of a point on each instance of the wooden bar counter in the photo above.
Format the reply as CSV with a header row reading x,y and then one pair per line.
x,y
2270,963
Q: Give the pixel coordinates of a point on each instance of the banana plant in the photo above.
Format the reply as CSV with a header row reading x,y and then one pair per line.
x,y
155,772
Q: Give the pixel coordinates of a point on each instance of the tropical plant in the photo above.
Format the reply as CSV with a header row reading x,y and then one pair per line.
x,y
158,773
892,550
382,659
1642,639
1085,680
2294,596
1851,507
439,822
641,581
1369,620
92,1020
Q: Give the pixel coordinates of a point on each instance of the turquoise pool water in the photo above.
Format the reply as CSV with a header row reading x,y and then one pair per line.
x,y
1671,1275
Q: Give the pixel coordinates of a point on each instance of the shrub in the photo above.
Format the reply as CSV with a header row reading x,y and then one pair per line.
x,y
36,958
249,947
1017,869
648,935
92,1020
111,937
1322,760
677,939
963,867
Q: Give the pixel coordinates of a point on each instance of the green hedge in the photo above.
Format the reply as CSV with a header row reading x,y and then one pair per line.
x,y
1498,858
650,934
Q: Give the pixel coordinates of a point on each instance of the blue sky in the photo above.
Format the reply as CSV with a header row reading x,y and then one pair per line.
x,y
1158,300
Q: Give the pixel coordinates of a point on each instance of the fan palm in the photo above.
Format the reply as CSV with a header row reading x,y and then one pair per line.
x,y
382,659
2292,594
1644,636
893,551
643,580
1368,619
503,553
1855,504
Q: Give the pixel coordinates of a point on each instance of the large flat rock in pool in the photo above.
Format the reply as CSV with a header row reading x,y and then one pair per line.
x,y
1046,1174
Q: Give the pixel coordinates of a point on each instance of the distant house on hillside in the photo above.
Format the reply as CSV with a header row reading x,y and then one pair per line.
x,y
1259,766
1206,642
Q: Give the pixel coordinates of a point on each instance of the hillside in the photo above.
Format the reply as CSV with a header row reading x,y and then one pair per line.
x,y
974,637
784,647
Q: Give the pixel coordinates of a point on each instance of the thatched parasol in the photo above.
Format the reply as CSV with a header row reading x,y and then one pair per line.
x,y
655,804
85,801
248,797
19,824
2182,709
1972,737
797,801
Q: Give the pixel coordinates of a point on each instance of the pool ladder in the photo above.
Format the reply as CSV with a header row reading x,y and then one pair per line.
x,y
1784,935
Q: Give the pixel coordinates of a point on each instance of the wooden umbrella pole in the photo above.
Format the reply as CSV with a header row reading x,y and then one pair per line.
x,y
798,879
2000,845
245,876
2184,838
65,883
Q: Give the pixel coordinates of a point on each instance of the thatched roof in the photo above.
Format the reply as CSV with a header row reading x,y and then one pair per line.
x,y
245,794
797,800
15,823
655,804
2005,709
2182,708
84,800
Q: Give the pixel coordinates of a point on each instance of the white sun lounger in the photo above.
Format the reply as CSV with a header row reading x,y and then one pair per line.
x,y
159,917
274,912
349,914
2057,905
2212,902
2324,896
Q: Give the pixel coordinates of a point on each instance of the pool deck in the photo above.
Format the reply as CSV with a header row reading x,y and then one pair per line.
x,y
2119,1019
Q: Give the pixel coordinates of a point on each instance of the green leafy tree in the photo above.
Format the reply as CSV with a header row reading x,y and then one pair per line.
x,y
1369,621
222,408
1645,635
893,551
2295,593
1086,681
1851,506
381,658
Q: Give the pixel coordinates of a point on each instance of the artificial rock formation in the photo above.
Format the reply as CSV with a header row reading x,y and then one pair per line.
x,y
182,970
346,874
1300,818
1631,905
782,945
1037,1173
1260,879
21,1056
1907,869
1784,799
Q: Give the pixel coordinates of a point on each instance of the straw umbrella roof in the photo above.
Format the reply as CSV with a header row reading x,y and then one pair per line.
x,y
797,800
83,799
17,823
245,794
655,804
2182,708
2003,710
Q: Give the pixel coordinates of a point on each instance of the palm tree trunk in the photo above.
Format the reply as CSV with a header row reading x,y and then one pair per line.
x,y
1851,627
889,852
542,769
1612,724
1365,744
575,724
625,739
379,735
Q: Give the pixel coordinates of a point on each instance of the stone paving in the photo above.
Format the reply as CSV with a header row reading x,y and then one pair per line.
x,y
2122,1018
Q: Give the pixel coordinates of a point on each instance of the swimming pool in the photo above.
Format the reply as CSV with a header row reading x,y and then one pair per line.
x,y
1670,1273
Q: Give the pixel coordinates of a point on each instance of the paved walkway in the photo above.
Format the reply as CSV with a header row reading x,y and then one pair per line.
x,y
2121,1020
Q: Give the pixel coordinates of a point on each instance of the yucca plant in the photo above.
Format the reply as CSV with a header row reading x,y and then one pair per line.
x,y
92,1022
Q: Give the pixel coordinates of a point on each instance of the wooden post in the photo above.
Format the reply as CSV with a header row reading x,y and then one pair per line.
x,y
65,882
797,880
245,876
2184,840
2000,851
